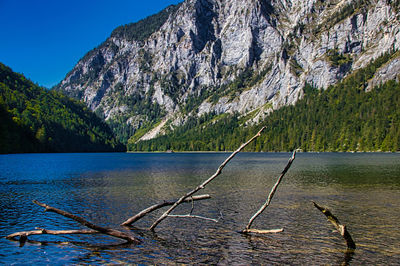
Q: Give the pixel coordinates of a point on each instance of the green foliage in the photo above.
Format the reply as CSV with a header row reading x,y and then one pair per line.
x,y
193,101
245,80
196,134
142,29
295,67
341,14
394,4
337,59
172,85
343,117
140,106
141,132
36,120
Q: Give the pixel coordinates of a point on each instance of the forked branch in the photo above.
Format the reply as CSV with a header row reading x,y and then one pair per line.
x,y
268,201
202,185
154,207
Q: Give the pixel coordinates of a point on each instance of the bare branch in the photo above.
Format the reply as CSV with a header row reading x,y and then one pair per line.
x,y
271,231
192,216
339,227
202,185
271,194
191,210
160,205
41,231
106,231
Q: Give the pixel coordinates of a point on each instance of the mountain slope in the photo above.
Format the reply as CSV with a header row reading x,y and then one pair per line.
x,y
343,117
36,120
218,57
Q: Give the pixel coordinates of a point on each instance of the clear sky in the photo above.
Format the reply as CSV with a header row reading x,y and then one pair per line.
x,y
44,39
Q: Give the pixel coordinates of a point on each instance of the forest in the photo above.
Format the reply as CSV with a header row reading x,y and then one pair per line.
x,y
342,118
34,119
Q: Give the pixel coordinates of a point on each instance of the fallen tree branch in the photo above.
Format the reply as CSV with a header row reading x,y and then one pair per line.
x,y
160,205
271,194
96,229
341,228
202,185
41,231
76,243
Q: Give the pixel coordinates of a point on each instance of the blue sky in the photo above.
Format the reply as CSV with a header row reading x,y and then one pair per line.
x,y
44,39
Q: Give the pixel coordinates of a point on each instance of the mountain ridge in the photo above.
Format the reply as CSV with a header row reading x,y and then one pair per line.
x,y
220,57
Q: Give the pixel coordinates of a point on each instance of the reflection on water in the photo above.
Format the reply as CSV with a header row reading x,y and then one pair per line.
x,y
362,190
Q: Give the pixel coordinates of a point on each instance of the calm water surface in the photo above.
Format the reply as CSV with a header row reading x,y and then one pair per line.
x,y
362,190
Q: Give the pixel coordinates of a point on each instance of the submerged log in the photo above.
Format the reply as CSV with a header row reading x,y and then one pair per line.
x,y
341,228
95,228
268,201
202,185
161,205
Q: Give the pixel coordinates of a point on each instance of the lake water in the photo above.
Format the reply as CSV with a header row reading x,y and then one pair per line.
x,y
362,190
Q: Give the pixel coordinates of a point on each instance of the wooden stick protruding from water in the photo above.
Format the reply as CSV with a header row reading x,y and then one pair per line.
x,y
268,201
202,185
341,228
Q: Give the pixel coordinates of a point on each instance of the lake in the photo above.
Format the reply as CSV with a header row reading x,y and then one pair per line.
x,y
361,189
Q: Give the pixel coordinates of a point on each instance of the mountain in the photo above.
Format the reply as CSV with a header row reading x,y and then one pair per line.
x,y
344,117
212,59
34,119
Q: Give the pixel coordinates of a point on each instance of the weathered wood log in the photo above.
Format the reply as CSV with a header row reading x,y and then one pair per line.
x,y
339,227
271,194
202,185
161,205
95,228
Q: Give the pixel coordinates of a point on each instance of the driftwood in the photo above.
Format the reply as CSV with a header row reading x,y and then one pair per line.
x,y
95,228
339,227
202,185
268,201
150,209
40,231
22,237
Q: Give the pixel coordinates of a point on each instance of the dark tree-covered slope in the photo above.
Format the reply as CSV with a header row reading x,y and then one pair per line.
x,y
34,119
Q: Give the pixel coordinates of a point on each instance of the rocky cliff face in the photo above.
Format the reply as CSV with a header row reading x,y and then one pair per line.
x,y
245,56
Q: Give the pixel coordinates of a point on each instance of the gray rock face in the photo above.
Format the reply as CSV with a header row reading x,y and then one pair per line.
x,y
192,64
